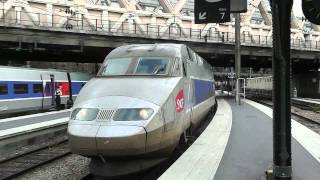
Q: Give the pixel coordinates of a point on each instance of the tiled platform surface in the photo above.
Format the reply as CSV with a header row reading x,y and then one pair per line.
x,y
248,151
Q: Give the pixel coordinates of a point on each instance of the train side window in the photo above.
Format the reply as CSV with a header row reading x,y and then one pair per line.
x,y
189,54
184,69
20,88
37,88
3,89
193,56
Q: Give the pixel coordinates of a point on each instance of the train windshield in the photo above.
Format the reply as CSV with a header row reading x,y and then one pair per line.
x,y
136,66
152,66
117,66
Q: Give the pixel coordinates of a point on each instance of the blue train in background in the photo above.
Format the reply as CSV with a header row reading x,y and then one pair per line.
x,y
26,89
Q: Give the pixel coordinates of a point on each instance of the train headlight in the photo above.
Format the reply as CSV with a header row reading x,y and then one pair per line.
x,y
134,114
84,114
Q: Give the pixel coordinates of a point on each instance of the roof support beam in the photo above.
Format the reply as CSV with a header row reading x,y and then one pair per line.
x,y
179,6
167,6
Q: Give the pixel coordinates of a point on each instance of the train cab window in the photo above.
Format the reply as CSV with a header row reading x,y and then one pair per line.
x,y
152,66
118,66
3,89
37,88
20,88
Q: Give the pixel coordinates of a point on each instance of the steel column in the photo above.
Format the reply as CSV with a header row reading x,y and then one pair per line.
x,y
237,56
281,13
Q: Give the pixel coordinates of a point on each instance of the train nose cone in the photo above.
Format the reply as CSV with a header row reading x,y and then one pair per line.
x,y
121,140
107,140
82,139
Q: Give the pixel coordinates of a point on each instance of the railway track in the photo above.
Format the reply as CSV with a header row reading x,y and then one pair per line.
x,y
305,118
22,163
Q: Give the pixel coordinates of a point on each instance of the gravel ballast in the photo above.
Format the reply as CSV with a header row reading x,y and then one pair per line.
x,y
71,167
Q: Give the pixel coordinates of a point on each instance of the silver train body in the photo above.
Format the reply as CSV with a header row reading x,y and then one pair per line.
x,y
25,89
144,98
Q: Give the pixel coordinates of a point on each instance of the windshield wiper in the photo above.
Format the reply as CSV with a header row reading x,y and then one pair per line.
x,y
158,69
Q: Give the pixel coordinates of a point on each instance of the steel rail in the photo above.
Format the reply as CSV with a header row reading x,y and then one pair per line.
x,y
20,164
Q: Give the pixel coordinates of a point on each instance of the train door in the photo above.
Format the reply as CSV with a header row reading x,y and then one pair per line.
x,y
188,86
49,88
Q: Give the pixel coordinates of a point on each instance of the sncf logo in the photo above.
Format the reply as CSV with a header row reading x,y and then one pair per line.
x,y
180,101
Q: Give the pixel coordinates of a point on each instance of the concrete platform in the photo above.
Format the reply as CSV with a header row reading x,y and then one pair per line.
x,y
24,124
315,101
248,151
202,159
308,101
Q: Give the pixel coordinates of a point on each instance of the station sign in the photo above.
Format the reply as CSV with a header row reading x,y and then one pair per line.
x,y
211,11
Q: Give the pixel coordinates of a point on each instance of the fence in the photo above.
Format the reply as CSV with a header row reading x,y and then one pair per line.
x,y
79,23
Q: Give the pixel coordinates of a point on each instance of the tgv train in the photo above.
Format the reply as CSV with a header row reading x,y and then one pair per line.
x,y
25,89
144,100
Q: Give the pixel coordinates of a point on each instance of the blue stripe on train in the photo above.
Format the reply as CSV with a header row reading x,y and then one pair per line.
x,y
76,87
204,89
12,95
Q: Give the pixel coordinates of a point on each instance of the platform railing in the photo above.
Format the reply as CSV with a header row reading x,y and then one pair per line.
x,y
97,25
